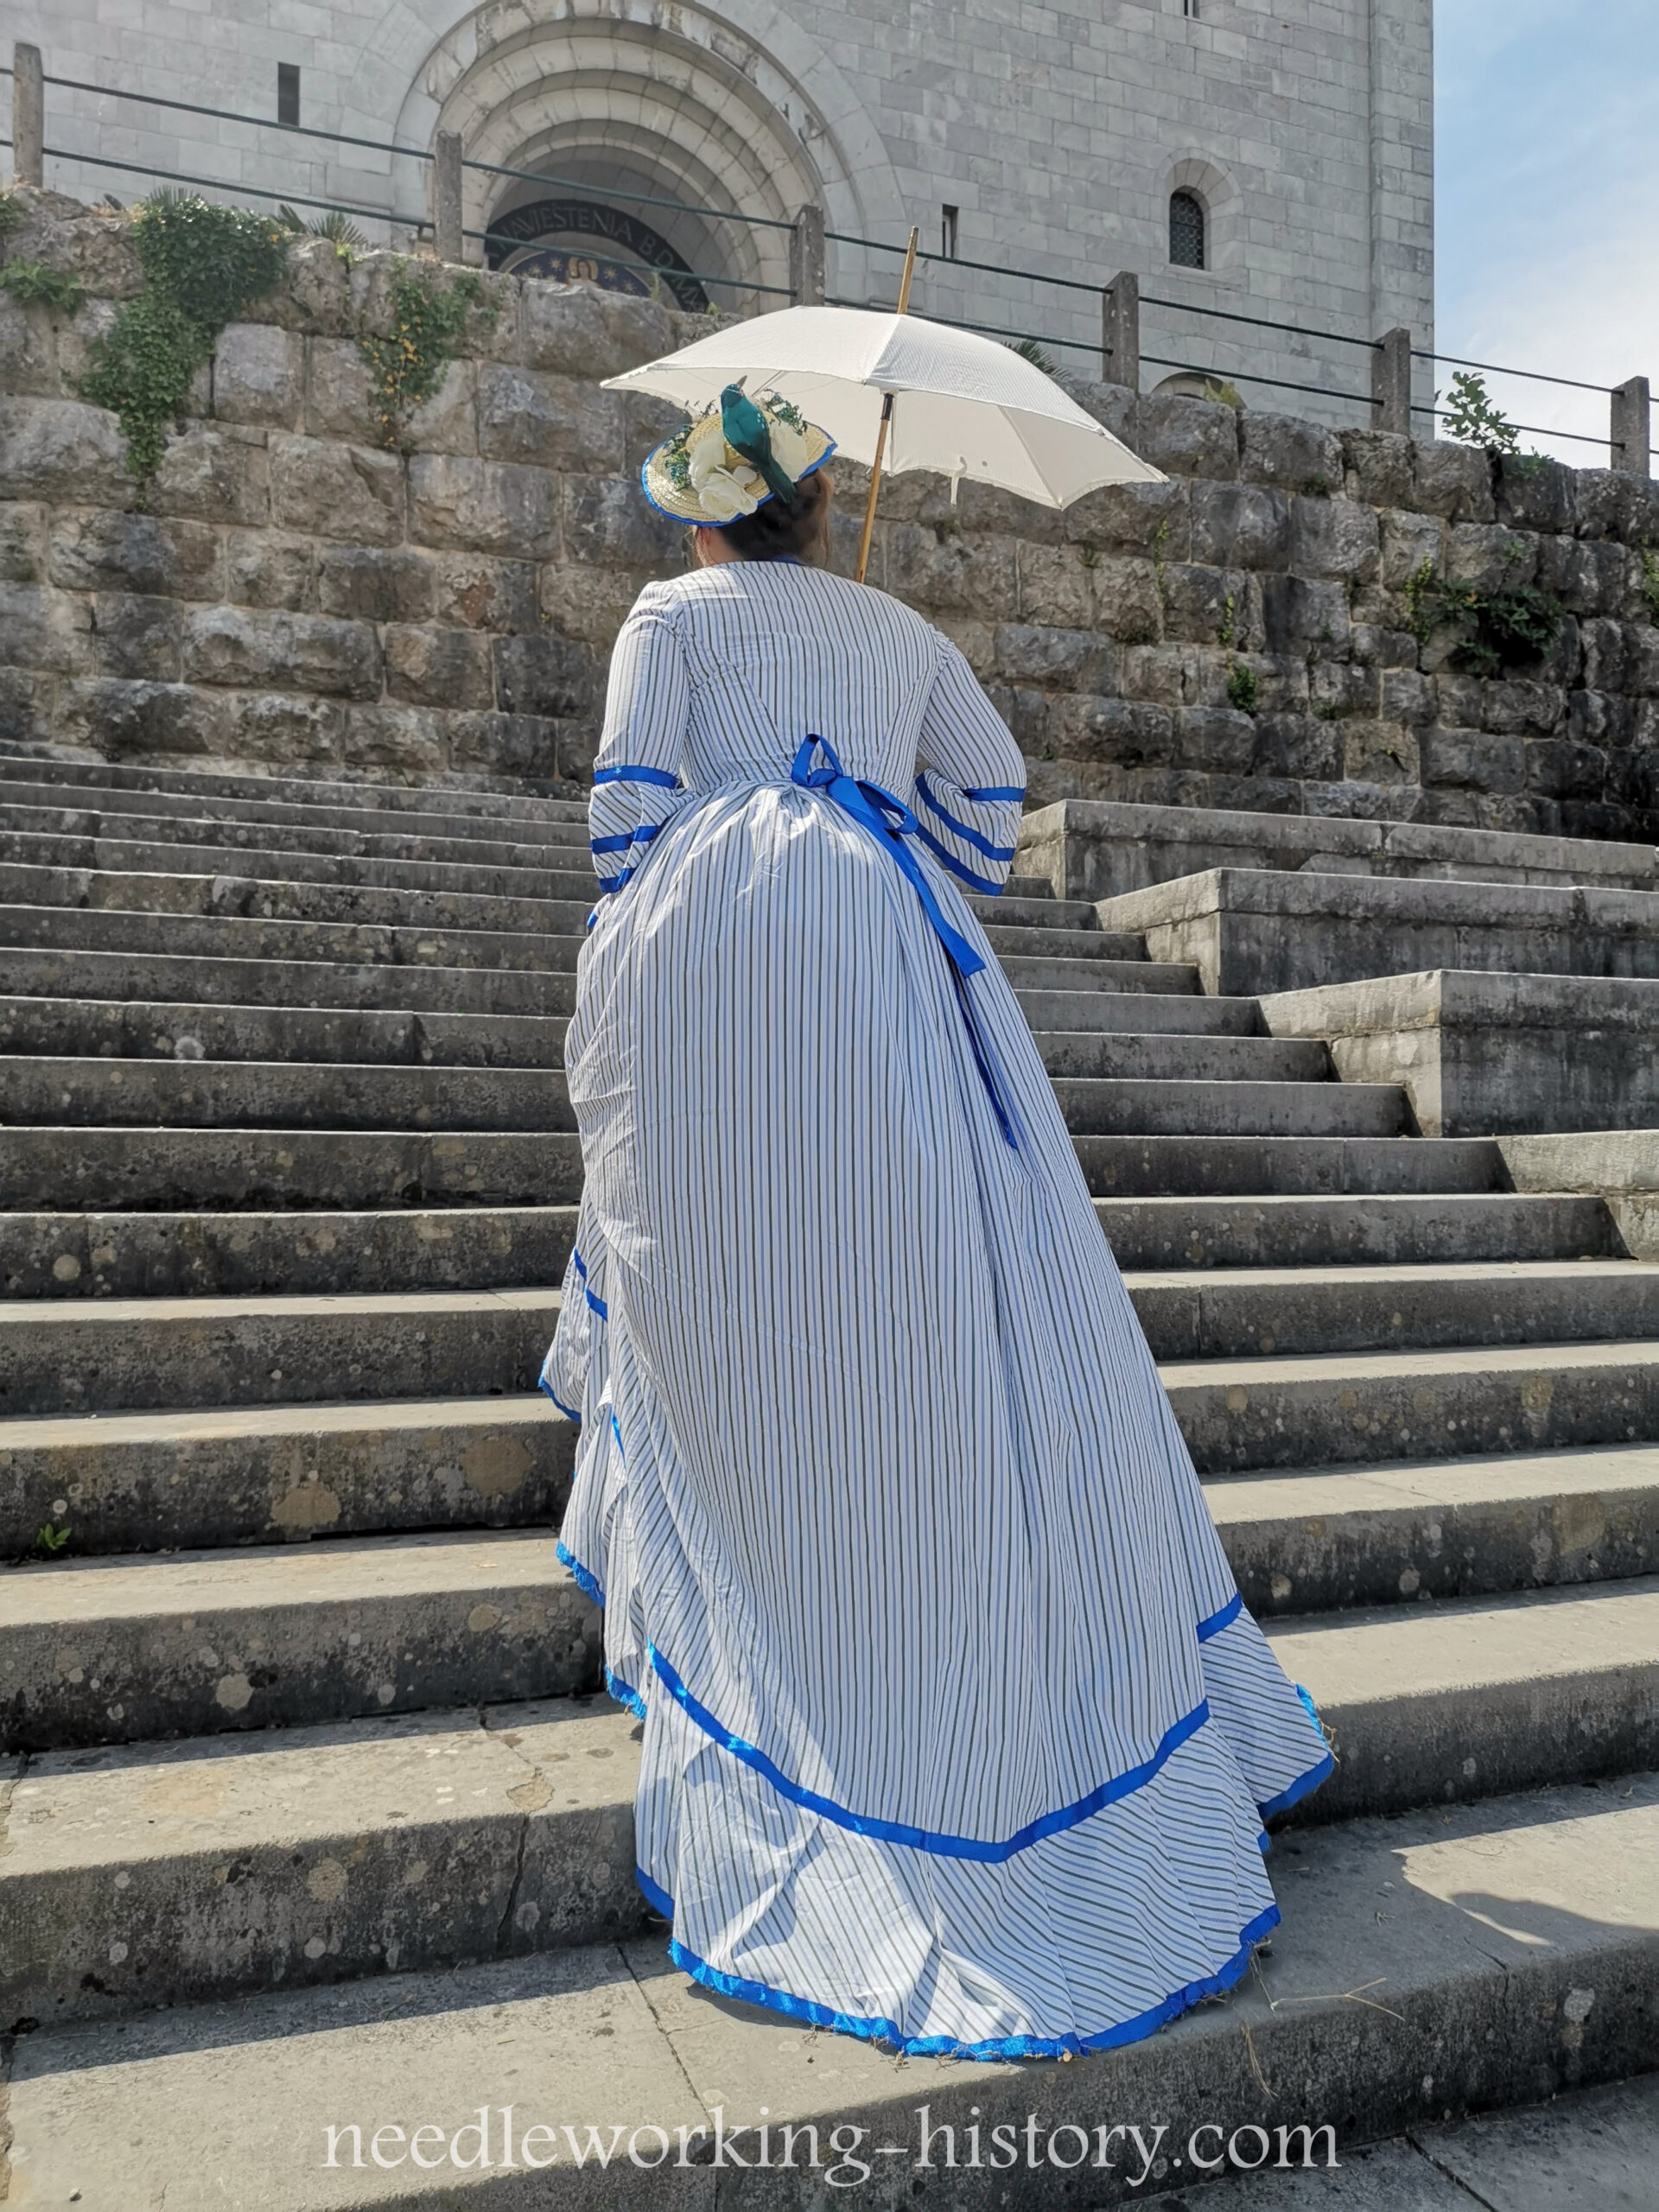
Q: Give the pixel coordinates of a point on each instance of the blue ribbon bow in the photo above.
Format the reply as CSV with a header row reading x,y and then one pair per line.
x,y
889,821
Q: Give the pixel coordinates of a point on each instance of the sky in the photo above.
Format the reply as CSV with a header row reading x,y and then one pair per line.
x,y
1546,123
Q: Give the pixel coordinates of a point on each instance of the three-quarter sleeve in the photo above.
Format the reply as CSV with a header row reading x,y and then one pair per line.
x,y
970,778
637,779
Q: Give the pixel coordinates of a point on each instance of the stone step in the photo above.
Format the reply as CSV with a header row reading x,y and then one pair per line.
x,y
235,937
1125,1053
199,980
1034,970
19,796
1315,1410
1340,1231
1244,1313
131,1482
1078,1010
170,1171
563,912
1028,905
1438,1528
266,863
124,1650
1215,1110
100,1354
1506,2001
137,1029
197,1255
278,1095
1009,938
1551,1687
1231,1167
201,1253
508,848
524,801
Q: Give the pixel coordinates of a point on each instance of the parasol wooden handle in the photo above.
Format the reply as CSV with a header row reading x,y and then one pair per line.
x,y
887,417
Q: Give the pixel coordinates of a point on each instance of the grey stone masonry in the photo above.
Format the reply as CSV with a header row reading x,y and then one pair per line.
x,y
1249,635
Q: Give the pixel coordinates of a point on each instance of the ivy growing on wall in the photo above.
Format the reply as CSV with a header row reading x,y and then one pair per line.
x,y
427,325
203,264
1496,630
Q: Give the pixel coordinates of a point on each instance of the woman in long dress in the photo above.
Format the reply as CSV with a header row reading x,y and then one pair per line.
x,y
956,1735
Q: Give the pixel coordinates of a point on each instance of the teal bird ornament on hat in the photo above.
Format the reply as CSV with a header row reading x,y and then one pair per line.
x,y
745,430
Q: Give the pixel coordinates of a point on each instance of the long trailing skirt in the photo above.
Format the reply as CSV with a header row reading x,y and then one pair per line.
x,y
955,1734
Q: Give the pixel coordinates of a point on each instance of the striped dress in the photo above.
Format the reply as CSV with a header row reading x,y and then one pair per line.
x,y
955,1735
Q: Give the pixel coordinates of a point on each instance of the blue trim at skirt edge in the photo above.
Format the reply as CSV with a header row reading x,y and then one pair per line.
x,y
887,2031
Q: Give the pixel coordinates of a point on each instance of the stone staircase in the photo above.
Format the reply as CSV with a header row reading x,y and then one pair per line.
x,y
302,1731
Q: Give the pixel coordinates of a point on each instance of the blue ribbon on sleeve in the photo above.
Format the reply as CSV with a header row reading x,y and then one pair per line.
x,y
889,821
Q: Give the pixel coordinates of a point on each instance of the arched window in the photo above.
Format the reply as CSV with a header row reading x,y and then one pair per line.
x,y
1185,231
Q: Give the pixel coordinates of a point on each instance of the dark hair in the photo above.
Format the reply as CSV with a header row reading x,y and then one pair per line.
x,y
775,532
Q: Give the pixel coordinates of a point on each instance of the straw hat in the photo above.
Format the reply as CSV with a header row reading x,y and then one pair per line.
x,y
696,477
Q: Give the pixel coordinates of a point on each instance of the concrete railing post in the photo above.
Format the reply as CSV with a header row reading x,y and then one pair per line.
x,y
806,259
1392,384
446,210
1120,330
1632,427
27,116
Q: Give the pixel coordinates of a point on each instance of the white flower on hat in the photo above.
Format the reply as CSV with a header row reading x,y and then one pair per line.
x,y
726,493
789,448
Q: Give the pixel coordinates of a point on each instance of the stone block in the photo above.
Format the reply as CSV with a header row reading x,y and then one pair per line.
x,y
95,549
975,641
1562,768
301,652
485,506
430,667
479,593
518,744
979,576
1454,482
591,604
1514,705
414,740
1128,602
1587,575
137,636
1289,455
554,421
338,391
1612,503
368,585
279,728
647,421
350,492
44,629
263,569
1155,673
79,337
1300,614
1379,753
1473,759
1080,660
214,475
1489,557
447,420
1240,526
28,354
1300,747
1187,438
1615,655
1204,606
1334,538
1047,585
64,452
1537,494
1484,1054
1215,738
27,698
1407,541
1336,688
1594,718
22,544
546,678
987,511
91,245
1133,518
259,376
1028,714
123,721
317,297
579,331
1381,467
1406,696
1118,730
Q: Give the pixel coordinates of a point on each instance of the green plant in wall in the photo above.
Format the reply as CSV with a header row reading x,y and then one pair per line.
x,y
1496,630
427,324
202,264
1244,690
29,281
10,213
1648,586
333,225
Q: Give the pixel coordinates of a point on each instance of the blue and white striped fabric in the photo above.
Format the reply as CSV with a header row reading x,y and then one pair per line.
x,y
955,1733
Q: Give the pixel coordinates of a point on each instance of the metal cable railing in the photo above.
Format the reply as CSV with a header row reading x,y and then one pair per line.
x,y
936,262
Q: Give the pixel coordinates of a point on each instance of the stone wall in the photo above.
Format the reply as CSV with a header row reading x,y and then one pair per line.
x,y
290,593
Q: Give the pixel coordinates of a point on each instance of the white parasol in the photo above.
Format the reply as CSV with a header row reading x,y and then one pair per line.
x,y
897,389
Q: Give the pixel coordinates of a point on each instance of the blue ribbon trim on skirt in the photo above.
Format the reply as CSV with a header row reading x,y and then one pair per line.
x,y
889,821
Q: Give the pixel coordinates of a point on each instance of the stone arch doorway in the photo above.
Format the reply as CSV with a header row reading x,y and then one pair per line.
x,y
677,128
587,241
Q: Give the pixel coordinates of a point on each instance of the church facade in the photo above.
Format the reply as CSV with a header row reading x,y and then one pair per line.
x,y
1273,161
